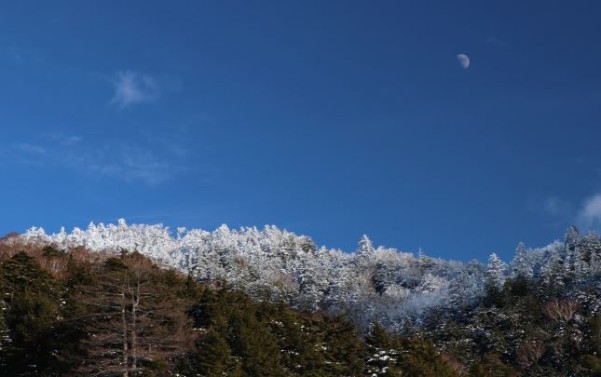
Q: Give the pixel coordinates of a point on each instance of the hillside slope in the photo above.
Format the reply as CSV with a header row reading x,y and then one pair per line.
x,y
368,285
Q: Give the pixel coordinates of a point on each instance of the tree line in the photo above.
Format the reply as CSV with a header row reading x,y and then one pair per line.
x,y
81,313
376,312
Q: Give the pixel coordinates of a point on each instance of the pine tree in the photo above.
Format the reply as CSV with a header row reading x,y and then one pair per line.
x,y
215,357
419,358
344,352
252,341
495,271
552,272
521,265
31,303
572,253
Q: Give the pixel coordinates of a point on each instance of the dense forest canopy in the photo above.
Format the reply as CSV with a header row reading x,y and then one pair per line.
x,y
135,300
81,313
371,284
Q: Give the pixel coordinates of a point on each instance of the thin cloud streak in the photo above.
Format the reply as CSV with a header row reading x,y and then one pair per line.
x,y
62,139
129,164
125,162
30,148
70,140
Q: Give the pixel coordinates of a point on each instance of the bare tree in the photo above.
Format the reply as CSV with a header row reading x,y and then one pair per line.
x,y
561,310
131,318
529,354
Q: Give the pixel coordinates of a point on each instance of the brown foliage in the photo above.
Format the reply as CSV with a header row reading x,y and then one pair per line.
x,y
135,317
454,364
529,354
561,310
9,236
133,312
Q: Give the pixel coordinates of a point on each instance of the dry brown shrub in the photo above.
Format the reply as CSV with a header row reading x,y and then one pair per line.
x,y
530,353
561,310
454,364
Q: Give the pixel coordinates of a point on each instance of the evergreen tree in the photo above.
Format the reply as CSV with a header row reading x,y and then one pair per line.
x,y
495,271
31,303
521,264
418,358
215,358
343,348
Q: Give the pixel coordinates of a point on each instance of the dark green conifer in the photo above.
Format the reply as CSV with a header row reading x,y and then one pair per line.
x,y
31,303
215,357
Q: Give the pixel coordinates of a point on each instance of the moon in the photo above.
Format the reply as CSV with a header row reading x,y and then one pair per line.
x,y
464,60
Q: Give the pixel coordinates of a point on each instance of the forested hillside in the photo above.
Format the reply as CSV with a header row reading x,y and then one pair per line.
x,y
81,313
370,284
271,298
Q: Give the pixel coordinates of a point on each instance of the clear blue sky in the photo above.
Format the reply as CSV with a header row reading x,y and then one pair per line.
x,y
328,118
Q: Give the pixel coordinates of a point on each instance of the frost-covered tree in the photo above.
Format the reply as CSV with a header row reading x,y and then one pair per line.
x,y
521,264
591,252
572,252
468,286
275,264
495,271
364,253
552,269
365,246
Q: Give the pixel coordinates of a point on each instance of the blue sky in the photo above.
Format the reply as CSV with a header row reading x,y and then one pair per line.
x,y
328,118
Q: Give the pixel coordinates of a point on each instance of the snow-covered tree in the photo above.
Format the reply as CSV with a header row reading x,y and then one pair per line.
x,y
521,264
552,271
495,271
572,252
272,263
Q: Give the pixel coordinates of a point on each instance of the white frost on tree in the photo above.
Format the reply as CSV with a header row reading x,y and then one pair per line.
x,y
370,284
521,264
495,271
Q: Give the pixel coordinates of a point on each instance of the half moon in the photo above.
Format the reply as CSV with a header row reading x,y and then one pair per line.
x,y
464,60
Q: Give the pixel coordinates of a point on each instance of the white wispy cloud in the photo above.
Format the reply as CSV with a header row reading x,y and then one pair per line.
x,y
70,140
61,139
558,207
30,148
127,163
133,88
144,162
589,215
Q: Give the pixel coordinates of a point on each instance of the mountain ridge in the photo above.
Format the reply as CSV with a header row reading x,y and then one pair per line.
x,y
397,288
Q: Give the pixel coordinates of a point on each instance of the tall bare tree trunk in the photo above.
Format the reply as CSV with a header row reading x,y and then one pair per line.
x,y
135,303
124,334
